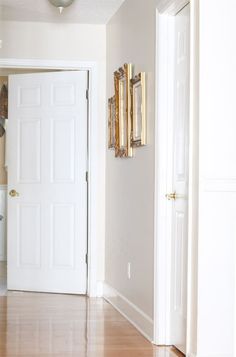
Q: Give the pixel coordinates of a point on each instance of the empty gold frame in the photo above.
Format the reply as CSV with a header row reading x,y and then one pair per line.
x,y
138,110
112,122
122,79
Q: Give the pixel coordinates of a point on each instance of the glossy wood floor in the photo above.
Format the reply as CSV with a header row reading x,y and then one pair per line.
x,y
65,325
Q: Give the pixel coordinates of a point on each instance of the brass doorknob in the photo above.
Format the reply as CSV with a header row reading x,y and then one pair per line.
x,y
14,193
171,196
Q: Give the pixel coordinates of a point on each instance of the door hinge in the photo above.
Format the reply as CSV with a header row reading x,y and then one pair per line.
x,y
87,94
86,176
86,259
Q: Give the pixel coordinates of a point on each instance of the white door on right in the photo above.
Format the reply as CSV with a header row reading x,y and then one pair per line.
x,y
180,180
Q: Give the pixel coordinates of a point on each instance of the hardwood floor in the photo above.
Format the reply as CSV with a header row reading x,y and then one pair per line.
x,y
65,325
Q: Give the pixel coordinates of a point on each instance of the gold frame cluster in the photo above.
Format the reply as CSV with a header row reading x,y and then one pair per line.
x,y
127,112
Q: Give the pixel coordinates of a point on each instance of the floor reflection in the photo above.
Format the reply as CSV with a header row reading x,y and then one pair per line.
x,y
66,325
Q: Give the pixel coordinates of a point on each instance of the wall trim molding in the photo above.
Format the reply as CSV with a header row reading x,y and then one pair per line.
x,y
163,181
141,321
3,224
95,165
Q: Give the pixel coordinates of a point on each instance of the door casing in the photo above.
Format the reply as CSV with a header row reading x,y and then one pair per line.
x,y
95,165
163,128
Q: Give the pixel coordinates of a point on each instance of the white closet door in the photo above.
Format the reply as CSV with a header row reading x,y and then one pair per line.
x,y
47,162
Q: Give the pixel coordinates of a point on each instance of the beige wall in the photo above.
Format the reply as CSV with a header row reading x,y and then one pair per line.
x,y
3,174
130,182
59,41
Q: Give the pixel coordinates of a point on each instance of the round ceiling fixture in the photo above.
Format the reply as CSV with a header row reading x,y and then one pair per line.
x,y
61,4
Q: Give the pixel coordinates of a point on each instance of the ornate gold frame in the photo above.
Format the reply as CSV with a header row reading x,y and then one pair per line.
x,y
122,79
4,101
111,122
140,139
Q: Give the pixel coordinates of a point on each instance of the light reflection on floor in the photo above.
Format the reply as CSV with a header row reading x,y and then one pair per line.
x,y
68,325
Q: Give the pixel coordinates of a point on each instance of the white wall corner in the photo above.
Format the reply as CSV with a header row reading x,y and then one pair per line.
x,y
141,321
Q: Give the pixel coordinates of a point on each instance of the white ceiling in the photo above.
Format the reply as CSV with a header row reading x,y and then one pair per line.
x,y
81,11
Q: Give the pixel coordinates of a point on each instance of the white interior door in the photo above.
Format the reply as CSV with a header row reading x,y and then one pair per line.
x,y
47,153
180,180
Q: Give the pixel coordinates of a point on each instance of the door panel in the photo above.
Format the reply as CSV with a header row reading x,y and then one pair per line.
x,y
180,180
29,167
3,220
28,232
47,148
63,150
63,224
178,261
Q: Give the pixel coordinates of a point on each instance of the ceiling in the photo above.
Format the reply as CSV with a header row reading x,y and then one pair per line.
x,y
81,11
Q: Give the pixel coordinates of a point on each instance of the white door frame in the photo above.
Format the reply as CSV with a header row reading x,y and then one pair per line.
x,y
94,164
164,93
3,212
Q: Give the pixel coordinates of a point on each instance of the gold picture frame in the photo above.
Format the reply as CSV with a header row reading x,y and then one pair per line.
x,y
112,122
4,101
122,79
138,110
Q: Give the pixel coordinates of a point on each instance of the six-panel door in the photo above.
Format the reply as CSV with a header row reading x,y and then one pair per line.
x,y
47,218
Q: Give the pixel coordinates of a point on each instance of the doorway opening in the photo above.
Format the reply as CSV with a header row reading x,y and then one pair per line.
x,y
172,171
39,67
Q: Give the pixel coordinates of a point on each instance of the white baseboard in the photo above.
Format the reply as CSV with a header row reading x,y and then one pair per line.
x,y
130,311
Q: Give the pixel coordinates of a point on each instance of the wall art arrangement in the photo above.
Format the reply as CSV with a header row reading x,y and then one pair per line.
x,y
3,108
127,112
